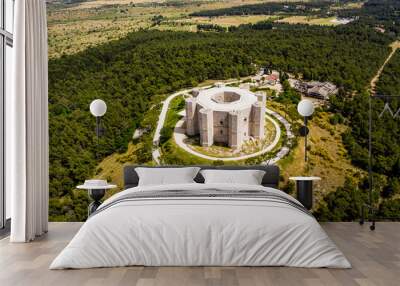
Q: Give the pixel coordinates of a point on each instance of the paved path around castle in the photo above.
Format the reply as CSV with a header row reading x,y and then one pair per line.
x,y
289,135
161,120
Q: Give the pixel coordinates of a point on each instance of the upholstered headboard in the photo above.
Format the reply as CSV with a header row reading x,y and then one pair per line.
x,y
271,177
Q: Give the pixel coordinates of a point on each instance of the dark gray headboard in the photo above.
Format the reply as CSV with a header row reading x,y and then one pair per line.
x,y
271,177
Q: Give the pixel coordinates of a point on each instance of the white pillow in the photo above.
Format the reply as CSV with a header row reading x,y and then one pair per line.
x,y
166,176
248,177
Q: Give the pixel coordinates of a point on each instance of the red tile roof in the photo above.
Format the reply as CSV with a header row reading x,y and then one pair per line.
x,y
271,77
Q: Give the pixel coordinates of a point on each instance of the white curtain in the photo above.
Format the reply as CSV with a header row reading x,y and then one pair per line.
x,y
27,124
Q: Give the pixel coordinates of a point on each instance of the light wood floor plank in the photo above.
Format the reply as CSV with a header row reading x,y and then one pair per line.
x,y
375,257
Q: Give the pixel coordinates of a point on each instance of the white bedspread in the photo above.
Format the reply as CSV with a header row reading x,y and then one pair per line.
x,y
200,231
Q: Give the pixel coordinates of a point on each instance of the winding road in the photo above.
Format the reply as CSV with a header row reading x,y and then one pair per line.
x,y
161,120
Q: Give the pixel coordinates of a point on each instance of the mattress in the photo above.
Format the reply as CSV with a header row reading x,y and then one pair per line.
x,y
201,225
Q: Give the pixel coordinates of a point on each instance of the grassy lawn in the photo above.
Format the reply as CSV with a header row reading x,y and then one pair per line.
x,y
111,168
354,5
174,155
309,20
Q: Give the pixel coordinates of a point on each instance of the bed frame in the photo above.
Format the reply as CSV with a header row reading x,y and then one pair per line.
x,y
270,179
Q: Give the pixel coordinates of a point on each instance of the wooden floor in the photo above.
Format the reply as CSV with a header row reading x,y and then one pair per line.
x,y
375,257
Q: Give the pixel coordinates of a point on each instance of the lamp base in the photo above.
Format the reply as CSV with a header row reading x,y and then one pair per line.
x,y
305,193
96,195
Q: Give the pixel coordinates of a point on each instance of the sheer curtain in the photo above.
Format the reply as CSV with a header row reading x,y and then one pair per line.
x,y
27,124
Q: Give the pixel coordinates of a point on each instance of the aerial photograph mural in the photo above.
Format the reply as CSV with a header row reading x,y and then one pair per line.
x,y
309,86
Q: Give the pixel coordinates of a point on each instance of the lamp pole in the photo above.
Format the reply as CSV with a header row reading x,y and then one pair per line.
x,y
98,126
98,108
305,139
305,109
97,136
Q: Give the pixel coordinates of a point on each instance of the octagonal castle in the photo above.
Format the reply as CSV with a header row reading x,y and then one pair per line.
x,y
227,115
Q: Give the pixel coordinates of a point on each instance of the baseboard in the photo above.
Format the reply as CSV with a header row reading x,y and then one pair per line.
x,y
5,231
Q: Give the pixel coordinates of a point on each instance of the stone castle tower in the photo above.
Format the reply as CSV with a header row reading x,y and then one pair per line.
x,y
226,115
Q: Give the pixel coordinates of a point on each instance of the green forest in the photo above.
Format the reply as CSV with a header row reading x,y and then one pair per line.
x,y
129,73
345,203
314,7
385,149
389,81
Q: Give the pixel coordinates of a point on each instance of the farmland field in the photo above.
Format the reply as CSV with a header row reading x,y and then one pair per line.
x,y
330,21
72,28
75,27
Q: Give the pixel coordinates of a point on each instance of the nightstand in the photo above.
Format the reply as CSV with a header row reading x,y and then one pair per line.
x,y
304,186
96,190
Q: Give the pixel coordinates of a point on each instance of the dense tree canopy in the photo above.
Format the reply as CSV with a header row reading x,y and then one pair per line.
x,y
389,81
269,8
385,137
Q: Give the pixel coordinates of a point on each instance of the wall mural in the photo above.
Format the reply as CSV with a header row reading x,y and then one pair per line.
x,y
188,84
383,110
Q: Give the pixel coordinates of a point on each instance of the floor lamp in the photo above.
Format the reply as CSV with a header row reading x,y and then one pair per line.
x,y
304,185
98,108
305,109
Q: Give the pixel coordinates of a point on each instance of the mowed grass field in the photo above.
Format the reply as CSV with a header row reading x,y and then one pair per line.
x,y
330,21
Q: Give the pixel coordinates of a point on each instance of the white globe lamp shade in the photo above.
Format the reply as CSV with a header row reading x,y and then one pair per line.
x,y
98,107
305,108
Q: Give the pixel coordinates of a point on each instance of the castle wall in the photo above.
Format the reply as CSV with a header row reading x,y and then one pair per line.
x,y
191,117
261,98
235,139
206,127
244,126
224,97
257,124
221,127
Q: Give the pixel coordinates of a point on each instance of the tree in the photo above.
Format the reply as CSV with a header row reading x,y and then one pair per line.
x,y
344,204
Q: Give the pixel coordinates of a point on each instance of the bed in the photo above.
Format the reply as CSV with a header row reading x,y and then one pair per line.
x,y
201,224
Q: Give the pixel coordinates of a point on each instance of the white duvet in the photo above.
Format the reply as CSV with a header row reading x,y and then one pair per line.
x,y
200,231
